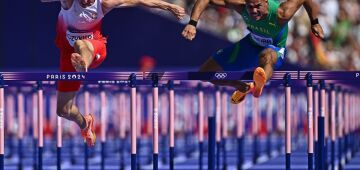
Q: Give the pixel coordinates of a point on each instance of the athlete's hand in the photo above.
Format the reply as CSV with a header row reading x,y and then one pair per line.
x,y
189,32
317,31
178,11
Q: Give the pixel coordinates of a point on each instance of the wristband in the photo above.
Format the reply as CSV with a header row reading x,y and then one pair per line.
x,y
314,21
193,23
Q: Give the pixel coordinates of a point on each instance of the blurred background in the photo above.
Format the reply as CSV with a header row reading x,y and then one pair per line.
x,y
146,39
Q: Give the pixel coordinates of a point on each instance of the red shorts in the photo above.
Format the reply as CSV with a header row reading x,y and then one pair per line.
x,y
66,50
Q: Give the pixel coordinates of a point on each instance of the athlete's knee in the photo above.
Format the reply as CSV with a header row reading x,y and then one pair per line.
x,y
268,56
210,66
79,44
63,110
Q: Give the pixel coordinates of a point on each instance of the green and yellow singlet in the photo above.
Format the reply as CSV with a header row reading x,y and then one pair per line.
x,y
267,31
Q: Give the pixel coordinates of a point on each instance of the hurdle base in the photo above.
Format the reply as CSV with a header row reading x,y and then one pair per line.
x,y
171,161
40,158
333,154
138,147
255,150
1,161
86,156
155,161
20,164
240,154
58,160
321,144
103,155
239,167
224,154
288,161
201,153
218,149
211,145
133,162
268,145
310,161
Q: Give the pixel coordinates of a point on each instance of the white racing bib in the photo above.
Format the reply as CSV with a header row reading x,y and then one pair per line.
x,y
73,36
260,40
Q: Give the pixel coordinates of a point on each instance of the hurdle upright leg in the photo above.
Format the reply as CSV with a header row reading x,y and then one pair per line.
x,y
2,132
171,124
133,120
287,78
310,122
201,124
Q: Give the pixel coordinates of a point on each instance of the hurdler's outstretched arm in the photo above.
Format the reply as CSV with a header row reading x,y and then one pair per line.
x,y
51,0
189,31
313,9
287,10
64,3
178,11
201,5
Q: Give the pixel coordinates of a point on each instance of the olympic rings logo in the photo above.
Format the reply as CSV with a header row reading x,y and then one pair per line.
x,y
220,75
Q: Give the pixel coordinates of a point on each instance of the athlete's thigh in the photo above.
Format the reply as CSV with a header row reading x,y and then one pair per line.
x,y
279,52
242,55
98,50
210,65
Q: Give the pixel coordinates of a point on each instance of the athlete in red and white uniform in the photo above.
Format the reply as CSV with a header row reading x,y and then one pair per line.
x,y
79,23
82,46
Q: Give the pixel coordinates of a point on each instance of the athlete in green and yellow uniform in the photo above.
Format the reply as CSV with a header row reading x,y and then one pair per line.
x,y
262,49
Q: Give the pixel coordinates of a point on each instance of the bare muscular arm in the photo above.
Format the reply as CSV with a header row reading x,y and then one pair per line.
x,y
313,9
189,31
178,11
287,10
64,3
201,5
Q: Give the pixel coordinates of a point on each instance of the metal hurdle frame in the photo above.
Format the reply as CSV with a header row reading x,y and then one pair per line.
x,y
154,77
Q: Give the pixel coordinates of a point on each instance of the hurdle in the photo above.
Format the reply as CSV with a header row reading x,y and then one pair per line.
x,y
35,127
269,126
172,123
201,124
138,127
121,99
224,114
340,127
309,85
155,83
87,110
332,124
144,76
133,119
2,132
240,119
